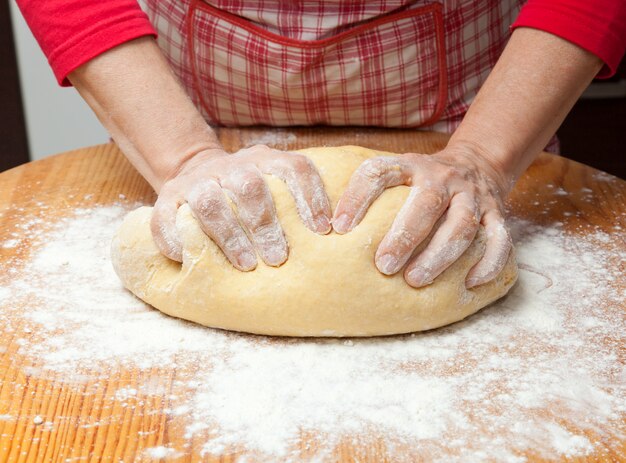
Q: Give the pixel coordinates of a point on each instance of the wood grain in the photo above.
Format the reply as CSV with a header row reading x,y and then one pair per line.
x,y
84,422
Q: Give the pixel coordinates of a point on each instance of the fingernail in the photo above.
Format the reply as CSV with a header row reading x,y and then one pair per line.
x,y
342,223
247,261
418,277
274,257
388,264
471,283
323,224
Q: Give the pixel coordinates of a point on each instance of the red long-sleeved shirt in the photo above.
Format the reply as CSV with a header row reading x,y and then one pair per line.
x,y
71,32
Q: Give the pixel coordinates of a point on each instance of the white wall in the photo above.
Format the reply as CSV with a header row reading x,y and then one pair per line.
x,y
57,119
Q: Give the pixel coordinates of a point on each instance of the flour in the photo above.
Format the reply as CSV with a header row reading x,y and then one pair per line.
x,y
537,371
278,139
162,452
4,293
10,243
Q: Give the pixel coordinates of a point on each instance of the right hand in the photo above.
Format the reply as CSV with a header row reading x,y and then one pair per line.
x,y
205,180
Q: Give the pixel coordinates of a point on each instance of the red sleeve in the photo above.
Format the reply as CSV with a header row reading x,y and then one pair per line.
x,y
598,26
71,32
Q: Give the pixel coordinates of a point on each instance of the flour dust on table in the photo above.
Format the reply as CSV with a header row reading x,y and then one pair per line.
x,y
538,372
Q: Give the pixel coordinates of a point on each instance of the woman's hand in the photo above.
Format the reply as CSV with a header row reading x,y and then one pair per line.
x,y
208,178
451,193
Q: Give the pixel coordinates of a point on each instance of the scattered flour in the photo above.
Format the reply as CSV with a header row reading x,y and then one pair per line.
x,y
538,371
279,139
4,293
8,244
162,452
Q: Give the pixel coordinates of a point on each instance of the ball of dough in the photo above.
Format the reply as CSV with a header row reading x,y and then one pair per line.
x,y
329,286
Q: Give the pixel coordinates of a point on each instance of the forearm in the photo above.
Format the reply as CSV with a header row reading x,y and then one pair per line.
x,y
134,93
535,83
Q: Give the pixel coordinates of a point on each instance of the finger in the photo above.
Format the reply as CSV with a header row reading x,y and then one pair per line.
x,y
210,207
366,184
448,243
497,250
257,214
163,227
411,226
305,185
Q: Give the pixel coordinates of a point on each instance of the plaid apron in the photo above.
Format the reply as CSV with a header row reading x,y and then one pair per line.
x,y
387,63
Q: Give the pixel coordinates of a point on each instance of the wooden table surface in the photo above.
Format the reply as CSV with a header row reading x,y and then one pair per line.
x,y
61,182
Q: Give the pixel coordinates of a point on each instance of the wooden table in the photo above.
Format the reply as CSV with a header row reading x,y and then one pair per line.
x,y
61,183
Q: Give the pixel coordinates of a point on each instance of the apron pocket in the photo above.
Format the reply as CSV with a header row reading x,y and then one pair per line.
x,y
389,72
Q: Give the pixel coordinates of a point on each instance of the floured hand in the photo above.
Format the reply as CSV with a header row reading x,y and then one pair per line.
x,y
453,191
207,179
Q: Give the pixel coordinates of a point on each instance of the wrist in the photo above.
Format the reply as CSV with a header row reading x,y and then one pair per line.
x,y
498,166
187,160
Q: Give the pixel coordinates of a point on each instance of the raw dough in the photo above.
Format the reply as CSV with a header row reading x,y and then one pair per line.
x,y
329,286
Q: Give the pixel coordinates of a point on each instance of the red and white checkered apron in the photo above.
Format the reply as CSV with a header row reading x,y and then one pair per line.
x,y
387,63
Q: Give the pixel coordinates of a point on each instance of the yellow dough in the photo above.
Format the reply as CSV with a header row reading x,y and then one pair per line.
x,y
329,286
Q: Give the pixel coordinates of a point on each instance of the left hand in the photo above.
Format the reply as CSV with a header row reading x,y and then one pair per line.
x,y
460,188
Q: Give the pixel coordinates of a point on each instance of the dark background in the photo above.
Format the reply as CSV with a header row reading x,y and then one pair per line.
x,y
13,143
594,133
